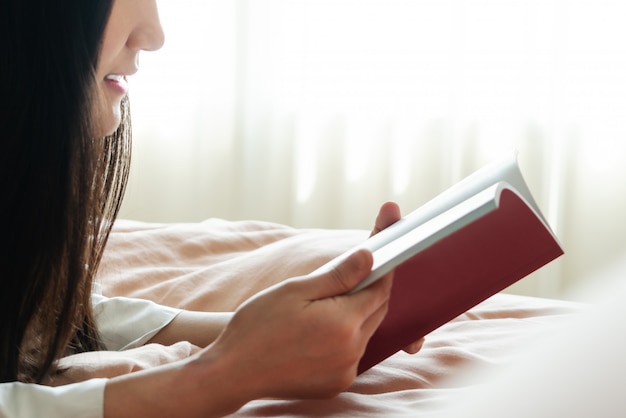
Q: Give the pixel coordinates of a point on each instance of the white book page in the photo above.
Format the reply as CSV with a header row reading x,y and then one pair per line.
x,y
505,169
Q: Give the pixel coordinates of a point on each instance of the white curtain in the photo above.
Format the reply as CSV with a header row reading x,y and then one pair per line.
x,y
314,112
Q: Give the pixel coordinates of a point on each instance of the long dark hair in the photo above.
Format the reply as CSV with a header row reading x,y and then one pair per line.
x,y
61,187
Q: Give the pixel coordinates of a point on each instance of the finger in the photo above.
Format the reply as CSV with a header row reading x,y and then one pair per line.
x,y
372,303
341,278
414,347
388,214
373,321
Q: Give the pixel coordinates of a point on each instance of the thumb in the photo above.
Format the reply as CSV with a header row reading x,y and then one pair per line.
x,y
342,276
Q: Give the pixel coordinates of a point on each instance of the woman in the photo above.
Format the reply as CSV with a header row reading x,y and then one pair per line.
x,y
64,70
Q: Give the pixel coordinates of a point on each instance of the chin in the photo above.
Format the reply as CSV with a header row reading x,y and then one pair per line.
x,y
112,130
110,124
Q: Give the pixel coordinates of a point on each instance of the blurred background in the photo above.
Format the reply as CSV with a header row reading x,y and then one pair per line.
x,y
312,113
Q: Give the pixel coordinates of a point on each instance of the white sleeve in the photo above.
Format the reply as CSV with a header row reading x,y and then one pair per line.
x,y
22,400
125,323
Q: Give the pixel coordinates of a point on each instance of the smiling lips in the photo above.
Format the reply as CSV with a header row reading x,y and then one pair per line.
x,y
117,83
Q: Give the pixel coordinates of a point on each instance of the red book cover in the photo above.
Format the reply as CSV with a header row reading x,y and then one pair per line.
x,y
459,271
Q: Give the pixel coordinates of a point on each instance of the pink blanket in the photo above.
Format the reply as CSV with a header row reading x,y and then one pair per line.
x,y
216,264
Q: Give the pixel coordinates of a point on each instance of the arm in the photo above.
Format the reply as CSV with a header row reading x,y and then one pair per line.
x,y
199,328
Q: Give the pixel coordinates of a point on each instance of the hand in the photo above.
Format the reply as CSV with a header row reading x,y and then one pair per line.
x,y
303,337
389,214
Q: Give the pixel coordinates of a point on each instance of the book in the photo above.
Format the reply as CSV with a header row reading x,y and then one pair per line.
x,y
468,243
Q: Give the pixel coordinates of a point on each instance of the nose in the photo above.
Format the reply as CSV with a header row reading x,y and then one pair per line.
x,y
148,33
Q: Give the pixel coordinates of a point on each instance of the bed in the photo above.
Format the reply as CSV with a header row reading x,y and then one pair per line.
x,y
217,264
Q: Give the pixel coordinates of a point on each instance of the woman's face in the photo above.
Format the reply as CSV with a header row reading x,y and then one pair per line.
x,y
133,26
